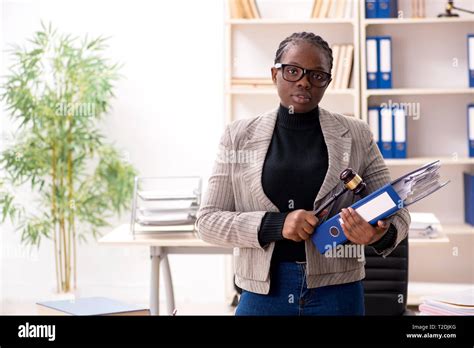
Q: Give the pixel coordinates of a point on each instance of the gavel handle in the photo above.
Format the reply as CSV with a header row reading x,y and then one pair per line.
x,y
333,198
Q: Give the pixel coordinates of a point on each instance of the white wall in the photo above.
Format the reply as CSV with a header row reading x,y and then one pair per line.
x,y
168,116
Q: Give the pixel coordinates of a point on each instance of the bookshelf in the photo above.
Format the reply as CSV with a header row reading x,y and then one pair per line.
x,y
440,89
419,91
251,44
434,20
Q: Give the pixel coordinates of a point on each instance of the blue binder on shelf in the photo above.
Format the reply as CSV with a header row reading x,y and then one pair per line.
x,y
384,76
469,198
372,62
470,129
386,132
399,145
387,200
374,124
387,8
470,59
371,8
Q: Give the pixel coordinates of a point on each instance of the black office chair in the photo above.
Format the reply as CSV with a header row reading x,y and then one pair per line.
x,y
386,281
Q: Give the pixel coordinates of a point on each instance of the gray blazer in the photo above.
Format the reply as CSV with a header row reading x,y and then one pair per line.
x,y
235,203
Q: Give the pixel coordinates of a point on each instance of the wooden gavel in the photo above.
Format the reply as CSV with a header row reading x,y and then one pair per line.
x,y
352,182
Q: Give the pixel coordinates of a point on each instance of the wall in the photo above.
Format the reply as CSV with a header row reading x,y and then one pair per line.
x,y
167,115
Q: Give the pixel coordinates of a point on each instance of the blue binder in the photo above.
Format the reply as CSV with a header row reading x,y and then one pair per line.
x,y
384,76
469,198
470,129
386,132
399,133
470,58
378,205
387,8
372,53
382,203
371,8
374,124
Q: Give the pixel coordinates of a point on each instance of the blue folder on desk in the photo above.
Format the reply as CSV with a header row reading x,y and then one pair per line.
x,y
387,200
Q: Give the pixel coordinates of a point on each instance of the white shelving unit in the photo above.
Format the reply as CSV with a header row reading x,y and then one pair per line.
x,y
419,91
250,50
439,87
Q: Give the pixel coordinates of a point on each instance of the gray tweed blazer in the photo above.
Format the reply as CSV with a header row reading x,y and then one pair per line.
x,y
235,203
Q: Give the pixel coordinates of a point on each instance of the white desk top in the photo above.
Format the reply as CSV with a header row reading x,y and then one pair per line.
x,y
122,236
417,290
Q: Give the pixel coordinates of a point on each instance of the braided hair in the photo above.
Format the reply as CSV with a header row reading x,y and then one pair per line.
x,y
295,38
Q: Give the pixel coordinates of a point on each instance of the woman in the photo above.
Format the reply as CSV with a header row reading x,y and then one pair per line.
x,y
262,201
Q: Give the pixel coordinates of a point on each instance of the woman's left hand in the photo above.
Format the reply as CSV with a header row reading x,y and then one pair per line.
x,y
359,231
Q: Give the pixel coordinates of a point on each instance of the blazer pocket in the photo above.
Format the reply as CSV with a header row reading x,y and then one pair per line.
x,y
252,263
337,263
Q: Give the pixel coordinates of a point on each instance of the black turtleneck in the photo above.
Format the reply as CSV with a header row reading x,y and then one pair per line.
x,y
293,172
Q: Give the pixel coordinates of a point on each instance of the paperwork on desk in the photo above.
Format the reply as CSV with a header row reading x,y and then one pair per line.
x,y
424,225
165,204
452,303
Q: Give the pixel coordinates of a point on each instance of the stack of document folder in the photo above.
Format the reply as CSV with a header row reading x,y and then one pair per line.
x,y
424,225
404,191
456,303
165,204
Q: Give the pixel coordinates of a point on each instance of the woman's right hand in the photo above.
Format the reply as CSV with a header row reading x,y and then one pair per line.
x,y
300,224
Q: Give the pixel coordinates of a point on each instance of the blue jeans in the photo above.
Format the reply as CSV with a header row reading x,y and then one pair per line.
x,y
289,295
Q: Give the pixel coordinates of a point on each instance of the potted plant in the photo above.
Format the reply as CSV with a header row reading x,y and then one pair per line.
x,y
57,91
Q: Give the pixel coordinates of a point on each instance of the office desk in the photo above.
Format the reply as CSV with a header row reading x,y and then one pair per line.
x,y
161,245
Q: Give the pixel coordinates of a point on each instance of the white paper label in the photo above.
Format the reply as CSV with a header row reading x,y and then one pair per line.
x,y
371,56
471,123
385,56
374,123
400,125
375,207
471,53
387,129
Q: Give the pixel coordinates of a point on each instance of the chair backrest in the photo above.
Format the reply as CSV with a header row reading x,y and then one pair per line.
x,y
386,281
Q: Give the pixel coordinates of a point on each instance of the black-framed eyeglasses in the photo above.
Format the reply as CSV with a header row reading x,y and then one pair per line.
x,y
294,73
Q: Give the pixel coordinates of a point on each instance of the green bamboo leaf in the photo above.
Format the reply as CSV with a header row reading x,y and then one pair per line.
x,y
81,180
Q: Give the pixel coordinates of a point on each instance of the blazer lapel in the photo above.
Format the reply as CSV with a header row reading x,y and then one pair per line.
x,y
338,142
258,145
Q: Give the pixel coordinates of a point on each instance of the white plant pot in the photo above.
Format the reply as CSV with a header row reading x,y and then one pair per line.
x,y
60,296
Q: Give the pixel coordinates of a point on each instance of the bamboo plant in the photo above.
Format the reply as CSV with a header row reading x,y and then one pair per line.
x,y
56,92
